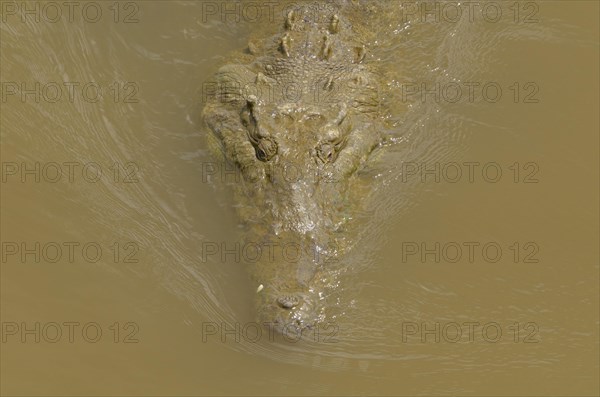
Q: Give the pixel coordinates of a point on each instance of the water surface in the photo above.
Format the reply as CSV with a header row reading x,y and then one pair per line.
x,y
479,216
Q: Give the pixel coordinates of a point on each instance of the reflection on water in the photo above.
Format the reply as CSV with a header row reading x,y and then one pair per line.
x,y
476,266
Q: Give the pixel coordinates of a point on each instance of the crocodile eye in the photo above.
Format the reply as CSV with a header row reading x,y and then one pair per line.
x,y
326,152
266,148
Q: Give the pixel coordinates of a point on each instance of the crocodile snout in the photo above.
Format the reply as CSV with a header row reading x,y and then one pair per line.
x,y
288,312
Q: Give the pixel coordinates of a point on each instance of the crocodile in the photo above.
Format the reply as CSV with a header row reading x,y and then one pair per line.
x,y
298,114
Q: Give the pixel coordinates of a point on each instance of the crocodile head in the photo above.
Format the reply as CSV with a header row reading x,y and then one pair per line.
x,y
297,150
296,162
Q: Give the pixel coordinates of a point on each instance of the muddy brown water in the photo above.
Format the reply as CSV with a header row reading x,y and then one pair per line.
x,y
475,271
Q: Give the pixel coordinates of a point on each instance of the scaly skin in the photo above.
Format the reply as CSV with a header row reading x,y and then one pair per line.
x,y
298,121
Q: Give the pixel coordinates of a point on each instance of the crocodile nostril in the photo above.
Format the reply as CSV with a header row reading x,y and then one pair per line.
x,y
287,301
